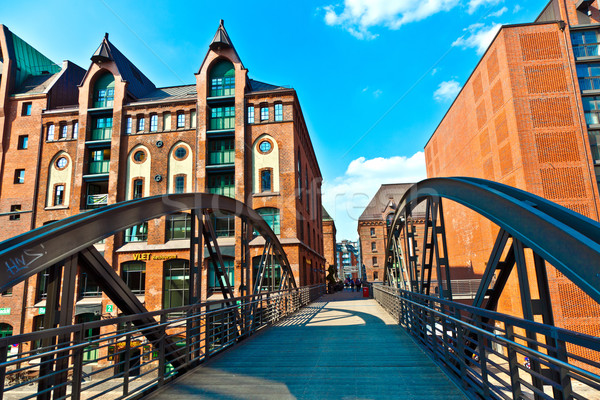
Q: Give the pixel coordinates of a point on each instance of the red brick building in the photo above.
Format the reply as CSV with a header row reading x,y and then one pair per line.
x,y
329,233
528,117
373,227
75,139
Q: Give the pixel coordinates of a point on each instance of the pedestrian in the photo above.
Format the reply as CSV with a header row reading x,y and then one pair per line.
x,y
352,284
358,284
346,283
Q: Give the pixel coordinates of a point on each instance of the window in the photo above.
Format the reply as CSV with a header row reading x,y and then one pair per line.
x,y
19,176
59,195
193,118
179,226
167,121
591,108
99,162
221,151
180,152
307,188
128,125
91,351
222,118
62,134
223,184
213,282
26,109
102,128
15,208
375,275
374,260
264,113
153,123
6,330
8,292
372,231
390,218
134,275
180,120
104,91
271,217
250,114
75,130
138,188
265,180
137,233
88,287
42,285
23,142
38,325
373,246
141,124
176,283
224,224
585,43
179,184
271,277
589,76
278,112
299,178
265,146
222,79
139,156
50,133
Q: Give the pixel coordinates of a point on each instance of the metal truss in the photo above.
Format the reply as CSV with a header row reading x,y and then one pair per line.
x,y
63,246
532,230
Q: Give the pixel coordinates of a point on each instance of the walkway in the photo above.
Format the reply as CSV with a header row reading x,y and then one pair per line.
x,y
340,347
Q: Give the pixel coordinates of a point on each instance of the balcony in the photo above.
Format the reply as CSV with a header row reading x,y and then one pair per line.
x,y
217,124
99,167
97,200
104,103
228,191
221,157
101,134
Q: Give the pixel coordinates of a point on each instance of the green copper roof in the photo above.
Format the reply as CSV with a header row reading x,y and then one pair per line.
x,y
29,61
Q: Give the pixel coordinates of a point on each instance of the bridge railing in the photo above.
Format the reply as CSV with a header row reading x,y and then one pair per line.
x,y
493,355
113,358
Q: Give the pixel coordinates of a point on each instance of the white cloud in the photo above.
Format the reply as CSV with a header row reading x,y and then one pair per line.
x,y
497,13
357,16
516,9
377,93
447,90
346,196
479,37
475,4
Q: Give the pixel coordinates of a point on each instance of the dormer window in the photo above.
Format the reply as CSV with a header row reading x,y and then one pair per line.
x,y
222,79
104,91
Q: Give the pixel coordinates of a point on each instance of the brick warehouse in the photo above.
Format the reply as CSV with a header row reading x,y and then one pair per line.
x,y
528,117
75,139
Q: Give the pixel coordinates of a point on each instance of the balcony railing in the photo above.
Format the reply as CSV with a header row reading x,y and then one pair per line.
x,y
222,123
221,157
101,134
97,199
99,167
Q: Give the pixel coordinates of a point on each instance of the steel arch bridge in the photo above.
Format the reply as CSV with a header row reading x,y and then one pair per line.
x,y
555,235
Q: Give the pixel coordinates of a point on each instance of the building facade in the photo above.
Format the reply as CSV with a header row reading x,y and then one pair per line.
x,y
347,259
528,117
329,244
373,227
75,139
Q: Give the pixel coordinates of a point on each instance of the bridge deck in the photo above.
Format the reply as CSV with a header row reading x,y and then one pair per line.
x,y
341,346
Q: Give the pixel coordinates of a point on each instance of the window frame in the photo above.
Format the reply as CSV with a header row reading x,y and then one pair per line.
x,y
13,208
23,142
179,178
173,226
264,113
19,176
250,118
262,173
26,110
278,112
126,276
134,188
50,133
153,122
181,120
58,199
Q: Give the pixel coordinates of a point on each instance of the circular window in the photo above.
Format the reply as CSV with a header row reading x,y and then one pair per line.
x,y
265,146
180,153
61,162
139,156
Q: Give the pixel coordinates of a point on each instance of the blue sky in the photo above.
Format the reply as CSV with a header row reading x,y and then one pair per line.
x,y
374,77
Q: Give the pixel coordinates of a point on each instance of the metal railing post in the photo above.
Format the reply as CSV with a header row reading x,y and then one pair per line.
x,y
161,352
77,355
513,364
3,356
127,363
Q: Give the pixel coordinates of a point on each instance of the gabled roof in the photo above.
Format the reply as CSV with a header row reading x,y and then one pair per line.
x,y
169,93
221,38
326,216
36,84
257,86
138,84
380,202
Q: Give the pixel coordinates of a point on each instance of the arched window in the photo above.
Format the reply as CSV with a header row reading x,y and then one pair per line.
x,y
134,275
176,283
222,79
271,217
6,330
104,91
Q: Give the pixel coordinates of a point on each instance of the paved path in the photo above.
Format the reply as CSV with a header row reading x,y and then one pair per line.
x,y
339,347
